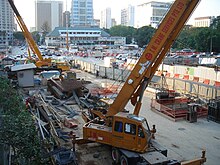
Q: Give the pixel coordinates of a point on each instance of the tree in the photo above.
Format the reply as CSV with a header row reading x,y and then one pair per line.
x,y
45,27
215,34
123,31
19,36
36,36
17,127
199,39
143,35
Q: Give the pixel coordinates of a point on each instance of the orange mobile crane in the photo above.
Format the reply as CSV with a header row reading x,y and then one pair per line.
x,y
41,63
129,134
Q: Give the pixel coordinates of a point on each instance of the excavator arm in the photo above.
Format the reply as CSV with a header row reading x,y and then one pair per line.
x,y
152,56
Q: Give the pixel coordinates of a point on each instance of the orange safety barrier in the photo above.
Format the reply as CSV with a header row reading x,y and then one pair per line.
x,y
206,81
164,108
217,83
186,77
196,79
176,75
167,74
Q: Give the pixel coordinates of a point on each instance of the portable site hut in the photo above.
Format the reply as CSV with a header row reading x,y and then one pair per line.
x,y
25,74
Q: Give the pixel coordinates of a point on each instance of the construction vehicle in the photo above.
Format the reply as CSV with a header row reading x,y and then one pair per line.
x,y
129,134
41,63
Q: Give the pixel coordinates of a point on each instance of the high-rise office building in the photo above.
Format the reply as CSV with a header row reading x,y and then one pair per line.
x,y
154,12
106,20
96,22
48,14
81,13
7,24
114,23
66,19
127,16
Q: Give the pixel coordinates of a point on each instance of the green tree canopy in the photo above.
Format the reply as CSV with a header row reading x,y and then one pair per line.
x,y
123,31
143,35
19,36
201,39
17,127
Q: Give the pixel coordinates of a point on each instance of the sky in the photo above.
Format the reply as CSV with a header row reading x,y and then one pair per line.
x,y
26,8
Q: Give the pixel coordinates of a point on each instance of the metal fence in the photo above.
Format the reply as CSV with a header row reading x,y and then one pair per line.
x,y
182,86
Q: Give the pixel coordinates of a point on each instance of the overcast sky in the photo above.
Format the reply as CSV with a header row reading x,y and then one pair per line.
x,y
27,10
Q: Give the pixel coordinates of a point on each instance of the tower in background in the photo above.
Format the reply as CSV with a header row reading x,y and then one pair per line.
x,y
81,13
127,16
48,14
66,19
106,20
7,24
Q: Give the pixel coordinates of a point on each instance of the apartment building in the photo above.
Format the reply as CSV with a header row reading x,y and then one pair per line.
x,y
7,24
127,16
106,20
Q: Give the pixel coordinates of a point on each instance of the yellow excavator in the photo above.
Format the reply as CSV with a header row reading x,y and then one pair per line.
x,y
129,134
41,63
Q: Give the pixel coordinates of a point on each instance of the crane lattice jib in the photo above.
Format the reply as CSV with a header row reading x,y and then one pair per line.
x,y
25,31
154,53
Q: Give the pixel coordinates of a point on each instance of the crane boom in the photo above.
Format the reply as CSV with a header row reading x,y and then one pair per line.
x,y
129,134
25,30
153,55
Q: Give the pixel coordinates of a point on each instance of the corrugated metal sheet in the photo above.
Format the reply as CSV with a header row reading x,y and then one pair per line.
x,y
23,67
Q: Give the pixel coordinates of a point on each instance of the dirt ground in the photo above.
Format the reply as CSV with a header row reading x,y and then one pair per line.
x,y
94,154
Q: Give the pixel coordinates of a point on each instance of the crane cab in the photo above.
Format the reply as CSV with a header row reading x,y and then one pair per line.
x,y
128,131
131,132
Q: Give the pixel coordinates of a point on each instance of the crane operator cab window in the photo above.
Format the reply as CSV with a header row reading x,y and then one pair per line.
x,y
130,128
140,132
118,126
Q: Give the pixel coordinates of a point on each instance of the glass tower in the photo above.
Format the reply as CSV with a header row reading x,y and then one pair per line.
x,y
81,13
